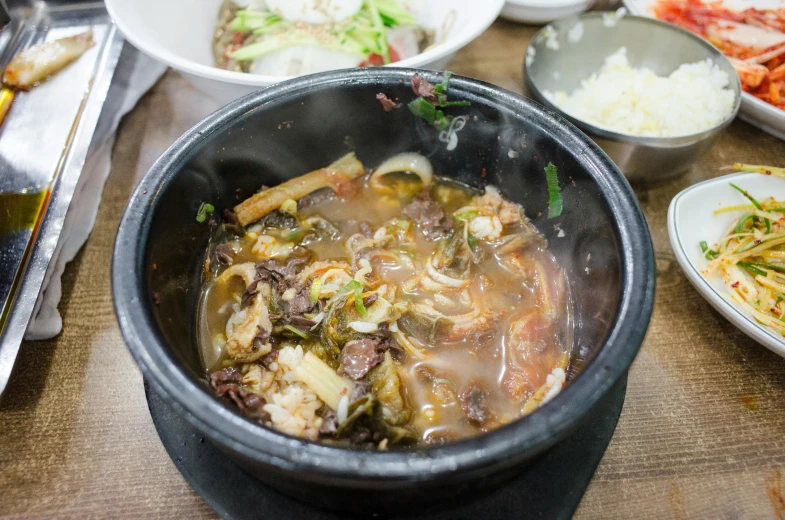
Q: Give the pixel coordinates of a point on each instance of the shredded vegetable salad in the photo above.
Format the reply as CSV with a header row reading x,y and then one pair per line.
x,y
307,36
750,256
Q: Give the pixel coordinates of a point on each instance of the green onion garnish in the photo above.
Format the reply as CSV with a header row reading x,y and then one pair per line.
x,y
426,110
358,298
708,254
204,209
297,331
357,288
467,215
751,268
742,221
441,93
555,200
772,267
749,197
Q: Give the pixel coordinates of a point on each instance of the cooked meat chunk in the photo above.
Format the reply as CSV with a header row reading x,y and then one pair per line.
x,y
226,384
360,356
474,403
429,216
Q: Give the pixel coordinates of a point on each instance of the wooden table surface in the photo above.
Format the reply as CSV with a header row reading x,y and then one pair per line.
x,y
702,433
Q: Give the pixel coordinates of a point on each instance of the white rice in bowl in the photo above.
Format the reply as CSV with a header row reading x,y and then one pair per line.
x,y
635,101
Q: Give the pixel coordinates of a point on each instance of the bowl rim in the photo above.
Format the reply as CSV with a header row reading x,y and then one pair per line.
x,y
503,447
673,141
446,48
549,5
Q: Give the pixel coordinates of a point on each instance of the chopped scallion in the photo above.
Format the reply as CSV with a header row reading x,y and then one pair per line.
x,y
358,298
749,197
751,268
295,330
555,200
743,221
204,209
772,267
426,110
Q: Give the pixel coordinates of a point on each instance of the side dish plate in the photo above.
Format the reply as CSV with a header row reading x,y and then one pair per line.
x,y
691,219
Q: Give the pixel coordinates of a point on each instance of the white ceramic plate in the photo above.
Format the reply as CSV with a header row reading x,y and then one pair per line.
x,y
543,11
753,110
691,219
179,33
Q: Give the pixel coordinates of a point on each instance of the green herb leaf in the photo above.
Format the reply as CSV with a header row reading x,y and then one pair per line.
x,y
204,209
295,330
704,246
555,200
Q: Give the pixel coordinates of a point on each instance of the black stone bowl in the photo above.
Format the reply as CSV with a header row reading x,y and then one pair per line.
x,y
303,124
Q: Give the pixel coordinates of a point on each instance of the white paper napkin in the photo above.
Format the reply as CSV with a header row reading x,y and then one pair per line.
x,y
136,73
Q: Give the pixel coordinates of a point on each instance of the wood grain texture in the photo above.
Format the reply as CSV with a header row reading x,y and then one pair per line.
x,y
702,434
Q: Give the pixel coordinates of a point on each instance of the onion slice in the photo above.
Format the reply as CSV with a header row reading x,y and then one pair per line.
x,y
405,162
443,279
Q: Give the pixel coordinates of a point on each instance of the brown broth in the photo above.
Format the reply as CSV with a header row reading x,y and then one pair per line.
x,y
432,386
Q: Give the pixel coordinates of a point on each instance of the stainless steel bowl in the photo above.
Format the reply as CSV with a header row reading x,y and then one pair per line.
x,y
659,46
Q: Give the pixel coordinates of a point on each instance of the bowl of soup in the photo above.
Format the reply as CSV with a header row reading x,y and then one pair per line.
x,y
383,287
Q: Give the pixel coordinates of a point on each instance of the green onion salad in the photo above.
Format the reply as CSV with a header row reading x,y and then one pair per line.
x,y
750,256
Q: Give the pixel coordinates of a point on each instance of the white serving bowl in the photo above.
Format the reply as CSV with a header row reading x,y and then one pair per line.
x,y
543,11
179,33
